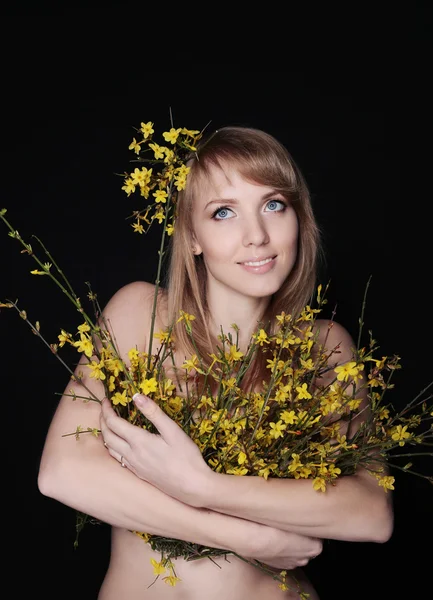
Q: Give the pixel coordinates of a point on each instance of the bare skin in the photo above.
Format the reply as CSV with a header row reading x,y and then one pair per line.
x,y
130,573
84,476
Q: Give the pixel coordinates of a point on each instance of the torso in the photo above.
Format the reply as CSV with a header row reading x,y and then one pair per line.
x,y
130,573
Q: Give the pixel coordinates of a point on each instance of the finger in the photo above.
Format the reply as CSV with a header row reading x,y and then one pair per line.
x,y
112,423
164,424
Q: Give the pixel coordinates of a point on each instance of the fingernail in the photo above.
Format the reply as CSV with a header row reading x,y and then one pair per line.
x,y
138,398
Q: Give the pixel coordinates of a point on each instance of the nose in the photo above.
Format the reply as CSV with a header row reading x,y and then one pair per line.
x,y
255,233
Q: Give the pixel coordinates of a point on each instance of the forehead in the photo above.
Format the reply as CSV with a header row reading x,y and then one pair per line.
x,y
225,181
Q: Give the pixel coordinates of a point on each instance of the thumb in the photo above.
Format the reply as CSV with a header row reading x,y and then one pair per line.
x,y
153,412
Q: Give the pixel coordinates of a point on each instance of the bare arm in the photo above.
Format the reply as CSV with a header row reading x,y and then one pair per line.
x,y
82,474
355,509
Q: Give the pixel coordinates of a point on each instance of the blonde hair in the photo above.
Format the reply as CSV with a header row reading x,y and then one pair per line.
x,y
258,157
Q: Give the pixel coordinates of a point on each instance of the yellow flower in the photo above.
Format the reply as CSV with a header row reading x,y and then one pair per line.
x,y
303,392
295,464
148,385
234,354
83,328
387,482
159,216
84,344
129,186
242,457
160,196
347,370
319,484
138,227
111,386
141,176
288,417
171,580
147,129
383,414
277,429
157,150
401,434
96,368
158,567
64,337
120,398
169,229
261,337
172,135
266,470
134,145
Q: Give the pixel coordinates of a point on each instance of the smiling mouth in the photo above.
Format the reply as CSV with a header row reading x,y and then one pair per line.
x,y
258,263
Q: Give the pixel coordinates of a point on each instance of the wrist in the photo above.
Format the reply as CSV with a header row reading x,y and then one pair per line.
x,y
208,490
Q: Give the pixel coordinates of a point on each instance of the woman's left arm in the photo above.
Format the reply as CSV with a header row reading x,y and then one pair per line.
x,y
355,508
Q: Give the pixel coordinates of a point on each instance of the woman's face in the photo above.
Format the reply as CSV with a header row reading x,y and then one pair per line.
x,y
247,233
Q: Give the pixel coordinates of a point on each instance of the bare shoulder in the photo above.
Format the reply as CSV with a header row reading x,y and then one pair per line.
x,y
128,314
334,336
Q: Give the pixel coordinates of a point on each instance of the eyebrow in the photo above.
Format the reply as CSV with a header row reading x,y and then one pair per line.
x,y
234,201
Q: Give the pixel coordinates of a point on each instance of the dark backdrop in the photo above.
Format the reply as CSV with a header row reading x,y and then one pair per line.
x,y
356,118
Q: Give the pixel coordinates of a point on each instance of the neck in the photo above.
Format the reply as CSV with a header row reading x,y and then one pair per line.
x,y
245,312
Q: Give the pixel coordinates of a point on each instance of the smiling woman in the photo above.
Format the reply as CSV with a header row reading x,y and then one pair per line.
x,y
244,250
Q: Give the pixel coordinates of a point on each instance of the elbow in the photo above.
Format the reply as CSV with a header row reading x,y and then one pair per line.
x,y
385,528
47,481
51,477
382,523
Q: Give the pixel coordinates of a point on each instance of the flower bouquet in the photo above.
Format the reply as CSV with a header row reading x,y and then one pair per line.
x,y
291,427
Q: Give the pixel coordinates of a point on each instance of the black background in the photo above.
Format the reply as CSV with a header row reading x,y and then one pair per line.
x,y
349,98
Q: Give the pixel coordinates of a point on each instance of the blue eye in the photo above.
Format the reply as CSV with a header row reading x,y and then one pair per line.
x,y
222,213
275,205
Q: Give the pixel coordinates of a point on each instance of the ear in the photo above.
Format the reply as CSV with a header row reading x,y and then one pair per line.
x,y
195,246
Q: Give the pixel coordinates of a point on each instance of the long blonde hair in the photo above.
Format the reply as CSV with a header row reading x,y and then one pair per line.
x,y
260,158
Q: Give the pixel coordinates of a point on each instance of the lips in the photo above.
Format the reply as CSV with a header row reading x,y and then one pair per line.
x,y
257,262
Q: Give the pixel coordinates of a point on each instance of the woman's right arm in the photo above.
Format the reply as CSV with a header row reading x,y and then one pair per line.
x,y
80,473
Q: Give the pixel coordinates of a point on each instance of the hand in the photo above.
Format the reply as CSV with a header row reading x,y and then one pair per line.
x,y
286,550
170,460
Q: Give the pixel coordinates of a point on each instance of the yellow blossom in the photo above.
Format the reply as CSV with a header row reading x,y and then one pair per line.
x,y
277,429
172,135
138,227
261,337
400,434
148,385
120,398
129,186
265,472
84,344
157,150
160,196
158,567
349,369
289,417
171,580
134,145
387,482
234,354
319,484
303,392
169,229
147,129
64,337
96,369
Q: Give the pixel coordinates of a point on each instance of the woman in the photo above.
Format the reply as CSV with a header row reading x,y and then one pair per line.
x,y
245,249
